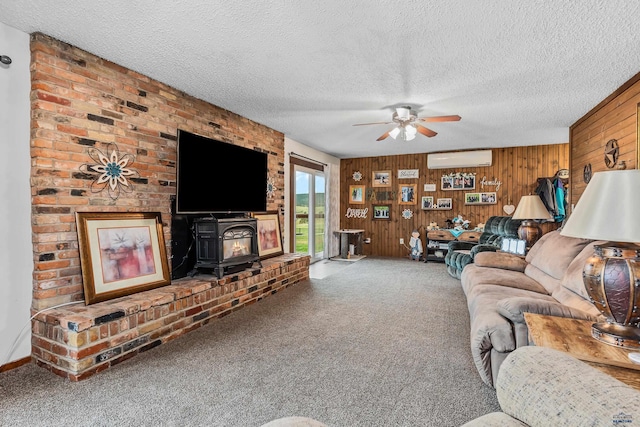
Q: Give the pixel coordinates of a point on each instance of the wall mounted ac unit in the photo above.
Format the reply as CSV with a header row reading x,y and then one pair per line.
x,y
459,159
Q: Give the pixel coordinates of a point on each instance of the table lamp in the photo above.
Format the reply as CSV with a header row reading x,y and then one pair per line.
x,y
608,210
530,209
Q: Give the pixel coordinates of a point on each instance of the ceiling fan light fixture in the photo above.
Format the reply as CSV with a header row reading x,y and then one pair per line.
x,y
393,133
403,113
405,133
408,136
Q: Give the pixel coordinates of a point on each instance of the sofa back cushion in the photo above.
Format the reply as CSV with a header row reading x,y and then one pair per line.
x,y
549,262
572,279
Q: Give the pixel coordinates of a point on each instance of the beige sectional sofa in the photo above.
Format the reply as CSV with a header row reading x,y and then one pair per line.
x,y
501,287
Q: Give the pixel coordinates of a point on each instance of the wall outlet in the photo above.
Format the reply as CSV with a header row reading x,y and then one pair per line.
x,y
402,241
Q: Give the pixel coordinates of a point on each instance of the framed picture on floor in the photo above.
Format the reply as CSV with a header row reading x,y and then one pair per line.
x,y
121,253
269,236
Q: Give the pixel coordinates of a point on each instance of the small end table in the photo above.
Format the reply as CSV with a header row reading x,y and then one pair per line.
x,y
350,237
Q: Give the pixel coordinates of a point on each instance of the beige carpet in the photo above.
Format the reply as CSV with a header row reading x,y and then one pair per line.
x,y
383,342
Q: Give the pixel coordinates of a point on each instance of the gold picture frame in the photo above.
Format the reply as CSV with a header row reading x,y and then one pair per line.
x,y
269,235
121,253
356,194
407,194
381,178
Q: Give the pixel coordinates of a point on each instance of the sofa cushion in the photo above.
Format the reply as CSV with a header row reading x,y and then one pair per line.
x,y
572,300
474,275
573,280
548,266
500,260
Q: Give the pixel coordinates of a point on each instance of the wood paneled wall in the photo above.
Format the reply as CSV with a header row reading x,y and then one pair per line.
x,y
616,117
517,168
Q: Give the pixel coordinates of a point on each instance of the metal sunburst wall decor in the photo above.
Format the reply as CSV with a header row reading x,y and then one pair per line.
x,y
271,187
112,170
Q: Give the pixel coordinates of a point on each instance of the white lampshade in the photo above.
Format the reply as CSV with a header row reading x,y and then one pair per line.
x,y
393,133
608,209
531,207
403,113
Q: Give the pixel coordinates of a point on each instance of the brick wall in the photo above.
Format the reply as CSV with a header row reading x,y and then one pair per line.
x,y
81,101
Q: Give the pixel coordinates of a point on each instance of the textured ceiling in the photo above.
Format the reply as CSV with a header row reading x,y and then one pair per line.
x,y
518,72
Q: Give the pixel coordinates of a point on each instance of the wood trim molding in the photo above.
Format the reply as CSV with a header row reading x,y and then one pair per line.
x,y
15,364
307,164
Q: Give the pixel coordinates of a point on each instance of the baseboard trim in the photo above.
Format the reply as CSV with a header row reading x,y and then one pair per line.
x,y
15,364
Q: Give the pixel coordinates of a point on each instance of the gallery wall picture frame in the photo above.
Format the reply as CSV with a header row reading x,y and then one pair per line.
x,y
381,178
458,181
382,212
121,253
407,194
427,202
269,235
356,194
480,198
444,203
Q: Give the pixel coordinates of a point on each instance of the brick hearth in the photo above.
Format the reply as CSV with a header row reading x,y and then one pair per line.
x,y
76,342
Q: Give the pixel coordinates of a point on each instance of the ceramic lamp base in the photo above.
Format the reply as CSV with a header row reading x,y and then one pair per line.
x,y
530,232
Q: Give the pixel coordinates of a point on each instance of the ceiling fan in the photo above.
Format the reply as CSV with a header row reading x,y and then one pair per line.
x,y
407,127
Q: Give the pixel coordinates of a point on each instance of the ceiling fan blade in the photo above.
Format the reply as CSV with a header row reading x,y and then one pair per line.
x,y
374,123
440,119
384,136
425,131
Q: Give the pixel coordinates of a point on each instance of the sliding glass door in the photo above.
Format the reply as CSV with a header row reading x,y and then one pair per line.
x,y
309,212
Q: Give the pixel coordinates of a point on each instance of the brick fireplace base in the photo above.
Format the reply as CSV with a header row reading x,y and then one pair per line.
x,y
78,341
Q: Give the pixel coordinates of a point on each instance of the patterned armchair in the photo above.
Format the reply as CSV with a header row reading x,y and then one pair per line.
x,y
495,229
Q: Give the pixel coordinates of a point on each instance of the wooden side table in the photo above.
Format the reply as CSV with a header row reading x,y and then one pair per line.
x,y
573,336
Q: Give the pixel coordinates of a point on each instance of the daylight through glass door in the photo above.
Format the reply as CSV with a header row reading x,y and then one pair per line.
x,y
309,214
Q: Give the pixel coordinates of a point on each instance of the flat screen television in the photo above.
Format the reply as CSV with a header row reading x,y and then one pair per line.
x,y
218,177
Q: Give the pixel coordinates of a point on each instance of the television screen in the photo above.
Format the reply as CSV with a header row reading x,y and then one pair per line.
x,y
217,177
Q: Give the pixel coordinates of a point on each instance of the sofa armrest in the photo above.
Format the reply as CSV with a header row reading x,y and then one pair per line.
x,y
515,307
456,245
501,260
482,247
541,387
